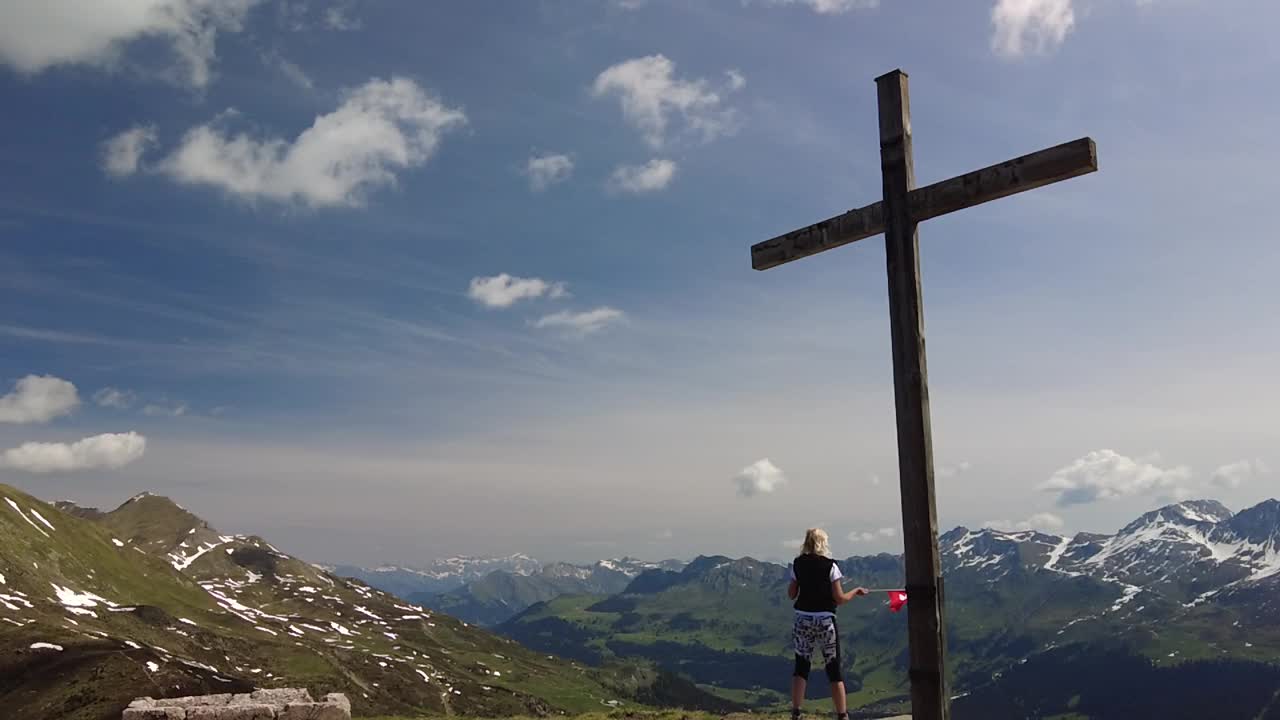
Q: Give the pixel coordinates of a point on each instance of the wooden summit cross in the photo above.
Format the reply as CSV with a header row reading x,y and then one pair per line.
x,y
896,216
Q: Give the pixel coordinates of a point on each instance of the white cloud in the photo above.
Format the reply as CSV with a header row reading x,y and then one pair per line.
x,y
758,478
830,7
653,175
581,323
1106,475
122,154
157,410
38,399
40,34
109,450
312,15
651,96
290,70
1022,26
544,171
630,4
113,398
503,290
737,80
1044,521
665,535
381,127
950,471
883,533
339,17
1233,475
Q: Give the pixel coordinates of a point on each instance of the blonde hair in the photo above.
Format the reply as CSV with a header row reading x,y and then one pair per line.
x,y
815,543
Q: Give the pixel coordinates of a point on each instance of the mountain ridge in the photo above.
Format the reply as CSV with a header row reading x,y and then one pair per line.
x,y
148,599
1184,582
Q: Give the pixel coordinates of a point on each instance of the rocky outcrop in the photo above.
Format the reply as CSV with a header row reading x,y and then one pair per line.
x,y
273,704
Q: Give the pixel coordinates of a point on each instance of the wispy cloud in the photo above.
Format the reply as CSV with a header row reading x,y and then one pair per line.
x,y
1044,521
341,17
544,171
581,323
312,15
1233,475
38,399
654,175
883,533
946,471
830,7
122,154
114,398
165,410
654,99
289,69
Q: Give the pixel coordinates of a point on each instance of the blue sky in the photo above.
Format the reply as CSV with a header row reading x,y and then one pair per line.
x,y
273,228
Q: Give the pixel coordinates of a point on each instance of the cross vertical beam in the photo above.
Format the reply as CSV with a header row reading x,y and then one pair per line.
x,y
925,624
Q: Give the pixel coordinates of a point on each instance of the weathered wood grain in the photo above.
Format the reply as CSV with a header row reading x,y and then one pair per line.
x,y
925,624
1051,165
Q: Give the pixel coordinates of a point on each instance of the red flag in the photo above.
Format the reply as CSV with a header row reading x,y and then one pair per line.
x,y
897,598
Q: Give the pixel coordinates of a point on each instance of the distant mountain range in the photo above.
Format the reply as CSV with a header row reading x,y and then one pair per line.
x,y
491,590
97,608
438,577
1184,585
1176,615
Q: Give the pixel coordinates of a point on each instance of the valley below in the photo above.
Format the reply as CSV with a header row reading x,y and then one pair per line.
x,y
1175,615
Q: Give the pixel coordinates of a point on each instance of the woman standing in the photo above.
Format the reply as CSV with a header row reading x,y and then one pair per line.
x,y
815,587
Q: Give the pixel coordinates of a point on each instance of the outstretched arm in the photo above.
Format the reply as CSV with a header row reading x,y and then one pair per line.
x,y
841,597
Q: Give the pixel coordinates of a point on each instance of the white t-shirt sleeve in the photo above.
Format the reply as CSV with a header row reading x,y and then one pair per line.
x,y
835,572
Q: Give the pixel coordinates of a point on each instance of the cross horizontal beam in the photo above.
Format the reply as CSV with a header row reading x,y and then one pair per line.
x,y
1062,162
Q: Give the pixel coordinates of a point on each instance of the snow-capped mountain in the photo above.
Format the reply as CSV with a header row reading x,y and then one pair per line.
x,y
449,574
1190,552
439,576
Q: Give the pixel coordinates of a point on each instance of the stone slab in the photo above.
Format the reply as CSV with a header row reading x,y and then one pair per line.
x,y
154,713
281,696
314,711
338,699
232,712
265,704
192,701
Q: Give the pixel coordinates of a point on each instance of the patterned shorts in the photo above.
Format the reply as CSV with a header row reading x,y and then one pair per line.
x,y
816,633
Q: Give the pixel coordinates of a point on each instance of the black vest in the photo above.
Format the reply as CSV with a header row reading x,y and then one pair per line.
x,y
813,575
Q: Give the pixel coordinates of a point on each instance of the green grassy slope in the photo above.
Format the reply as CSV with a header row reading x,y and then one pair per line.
x,y
149,600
